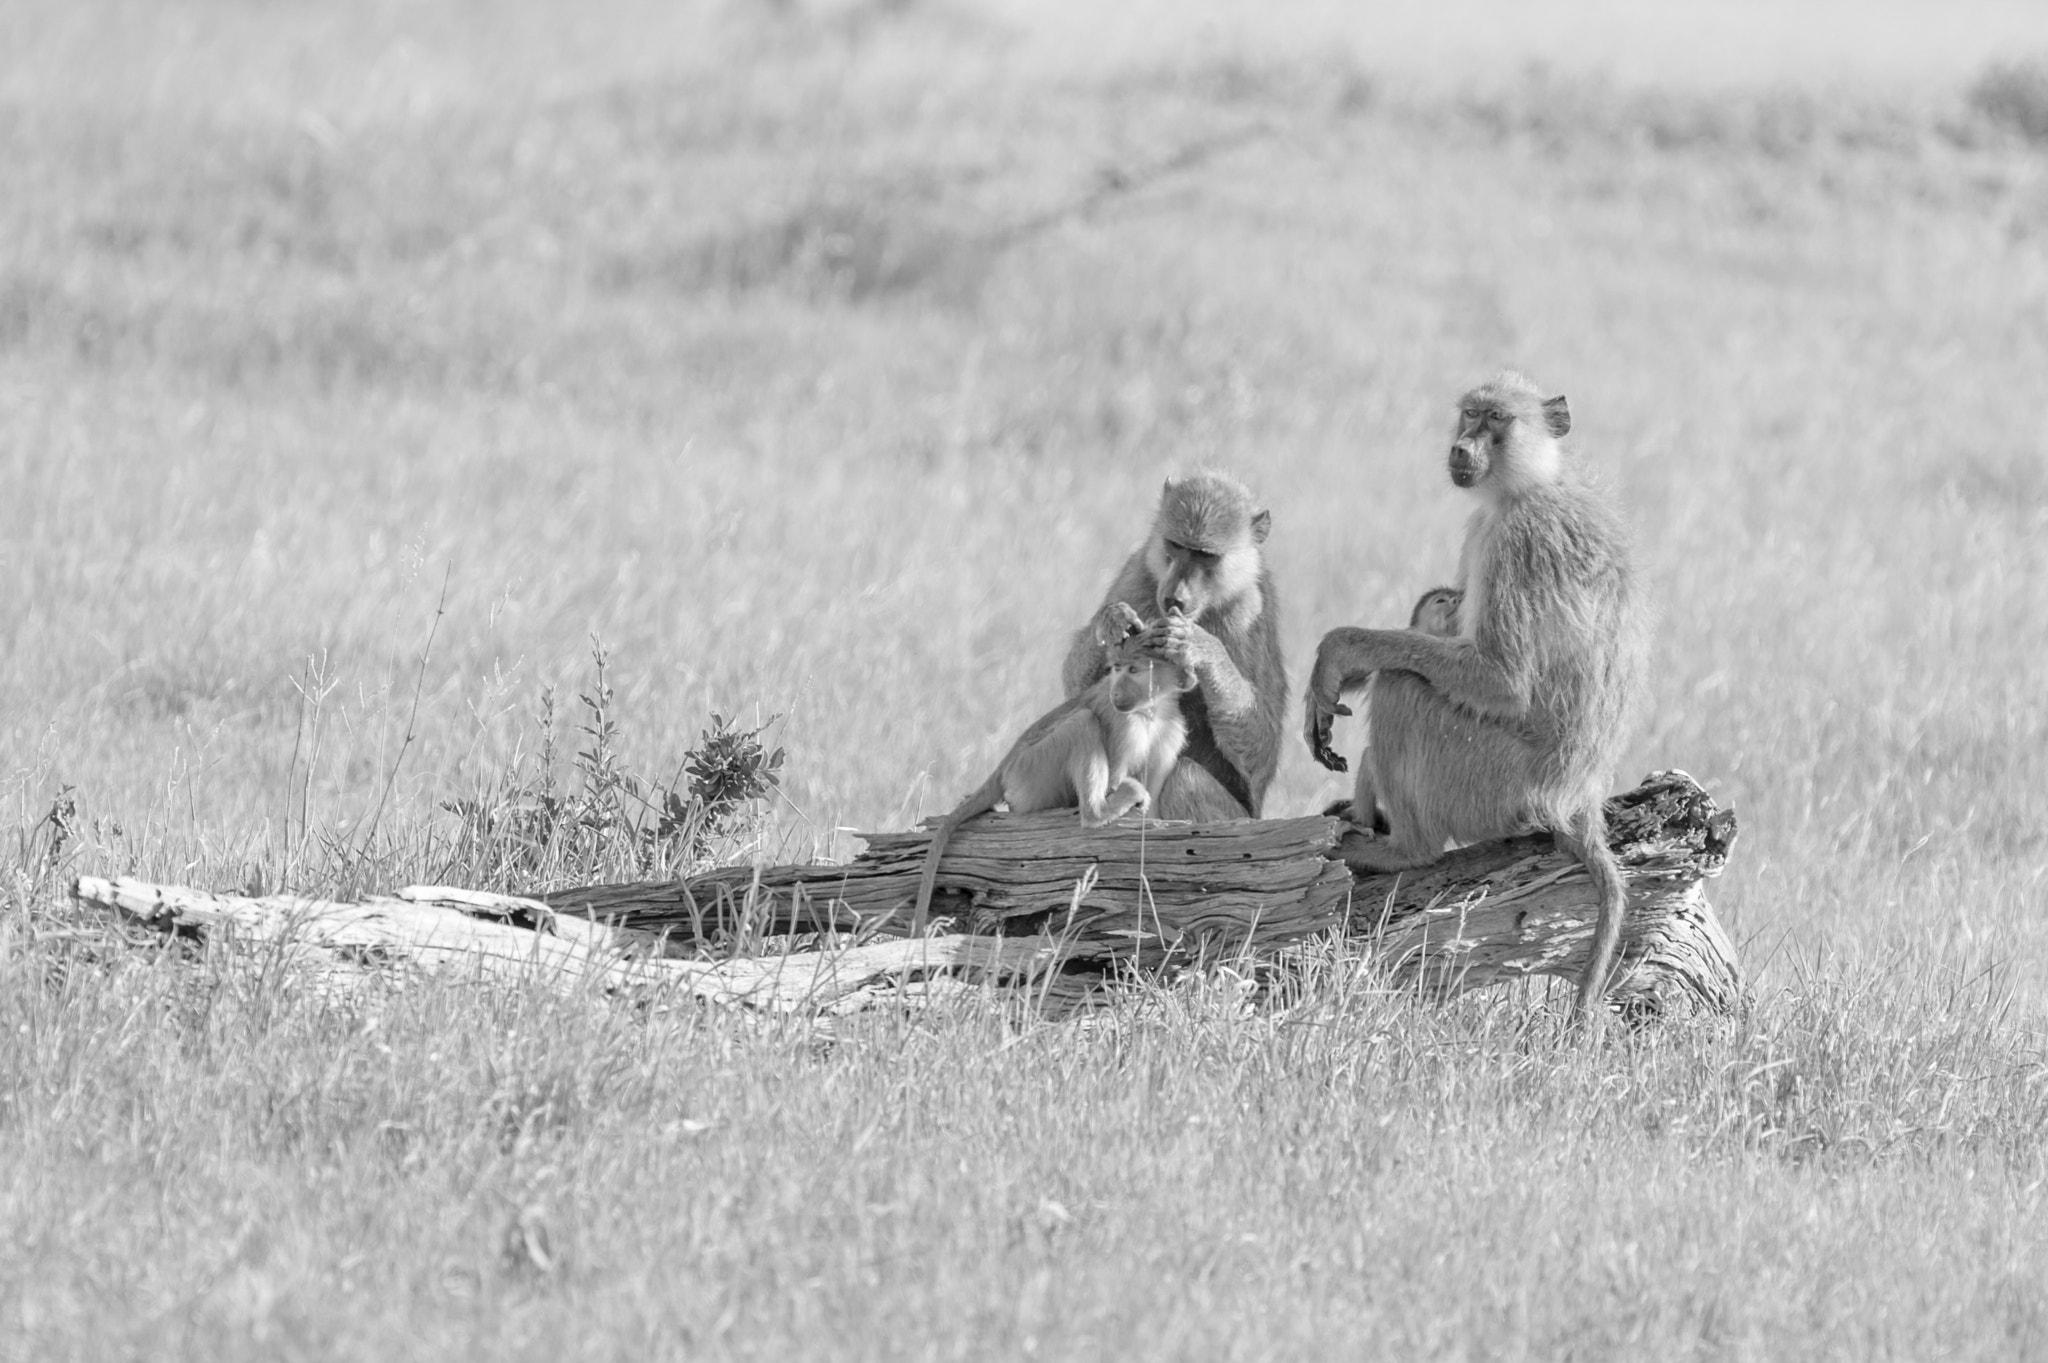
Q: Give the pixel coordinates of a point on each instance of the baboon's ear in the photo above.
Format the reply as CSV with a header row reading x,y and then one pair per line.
x,y
1262,526
1557,417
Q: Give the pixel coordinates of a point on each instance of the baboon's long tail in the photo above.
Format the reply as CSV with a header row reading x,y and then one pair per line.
x,y
981,802
1587,841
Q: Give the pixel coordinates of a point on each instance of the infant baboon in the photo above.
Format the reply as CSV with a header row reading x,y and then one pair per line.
x,y
1201,581
1108,750
1517,721
1436,612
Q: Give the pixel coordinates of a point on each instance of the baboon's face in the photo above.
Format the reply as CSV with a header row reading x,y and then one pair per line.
x,y
1210,575
1507,436
1138,681
1475,448
1437,613
1204,550
1188,578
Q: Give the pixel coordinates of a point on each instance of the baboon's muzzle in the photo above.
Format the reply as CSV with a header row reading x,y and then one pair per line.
x,y
1127,701
1175,598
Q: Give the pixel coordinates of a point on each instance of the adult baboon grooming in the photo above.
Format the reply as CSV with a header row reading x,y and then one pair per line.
x,y
1107,750
1201,579
1517,722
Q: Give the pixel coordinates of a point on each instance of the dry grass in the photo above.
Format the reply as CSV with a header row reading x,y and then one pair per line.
x,y
740,337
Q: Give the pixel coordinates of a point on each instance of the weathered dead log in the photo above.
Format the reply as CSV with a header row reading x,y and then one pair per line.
x,y
1137,888
1145,890
468,934
1510,910
1037,893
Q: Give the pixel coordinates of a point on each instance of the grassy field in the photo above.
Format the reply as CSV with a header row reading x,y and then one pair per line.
x,y
360,363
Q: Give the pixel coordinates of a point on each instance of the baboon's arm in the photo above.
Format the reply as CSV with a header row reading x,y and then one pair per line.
x,y
1088,657
1233,700
1457,668
1244,690
1190,646
1087,662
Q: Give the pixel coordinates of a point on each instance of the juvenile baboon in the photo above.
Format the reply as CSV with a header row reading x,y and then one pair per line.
x,y
1200,580
1107,750
1516,722
1435,612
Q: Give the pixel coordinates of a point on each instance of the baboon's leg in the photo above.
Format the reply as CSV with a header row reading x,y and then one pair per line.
x,y
1400,849
1190,792
1347,810
1431,773
1088,768
1365,796
1128,795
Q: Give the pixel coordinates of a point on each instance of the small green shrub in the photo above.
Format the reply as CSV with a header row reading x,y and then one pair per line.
x,y
530,833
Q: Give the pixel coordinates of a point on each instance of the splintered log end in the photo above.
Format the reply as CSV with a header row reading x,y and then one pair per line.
x,y
1519,908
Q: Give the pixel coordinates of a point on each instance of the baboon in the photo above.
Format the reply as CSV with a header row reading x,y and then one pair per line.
x,y
1516,723
1107,750
1436,612
1200,580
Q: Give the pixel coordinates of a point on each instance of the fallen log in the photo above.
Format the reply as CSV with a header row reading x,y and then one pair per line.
x,y
436,930
1138,889
1037,899
1148,891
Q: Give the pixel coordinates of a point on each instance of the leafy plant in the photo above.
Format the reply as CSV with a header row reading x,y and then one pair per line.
x,y
729,769
530,833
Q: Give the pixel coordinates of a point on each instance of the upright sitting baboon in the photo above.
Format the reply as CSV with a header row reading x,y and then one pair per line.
x,y
1517,722
1200,579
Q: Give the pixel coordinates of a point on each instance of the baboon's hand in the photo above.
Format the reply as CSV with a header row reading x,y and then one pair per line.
x,y
1116,622
1319,710
1316,721
1173,640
